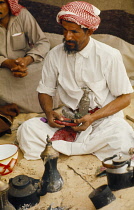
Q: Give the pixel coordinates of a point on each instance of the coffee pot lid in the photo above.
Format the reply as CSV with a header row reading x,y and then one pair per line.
x,y
120,159
49,151
21,181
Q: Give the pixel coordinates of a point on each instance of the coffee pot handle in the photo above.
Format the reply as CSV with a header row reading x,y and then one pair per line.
x,y
112,166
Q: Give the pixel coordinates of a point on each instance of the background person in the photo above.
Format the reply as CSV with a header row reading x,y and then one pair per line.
x,y
23,47
81,61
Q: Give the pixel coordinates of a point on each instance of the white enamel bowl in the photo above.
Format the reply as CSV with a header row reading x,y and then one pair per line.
x,y
8,158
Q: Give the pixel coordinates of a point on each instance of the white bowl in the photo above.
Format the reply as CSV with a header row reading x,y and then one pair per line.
x,y
8,158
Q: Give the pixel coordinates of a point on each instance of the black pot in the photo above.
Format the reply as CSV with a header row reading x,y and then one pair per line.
x,y
101,196
120,181
23,191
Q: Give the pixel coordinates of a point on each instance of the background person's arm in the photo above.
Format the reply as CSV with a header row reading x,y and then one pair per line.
x,y
39,44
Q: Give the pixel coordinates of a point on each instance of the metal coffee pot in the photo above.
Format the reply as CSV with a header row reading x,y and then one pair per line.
x,y
51,180
120,173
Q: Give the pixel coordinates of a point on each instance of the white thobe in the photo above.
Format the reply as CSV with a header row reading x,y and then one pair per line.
x,y
100,67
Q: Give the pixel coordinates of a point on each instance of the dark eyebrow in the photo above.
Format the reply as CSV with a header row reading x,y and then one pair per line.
x,y
74,31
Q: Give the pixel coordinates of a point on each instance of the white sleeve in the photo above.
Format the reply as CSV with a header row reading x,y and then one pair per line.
x,y
48,83
116,76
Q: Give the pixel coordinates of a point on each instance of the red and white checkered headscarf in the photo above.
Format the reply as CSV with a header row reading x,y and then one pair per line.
x,y
14,7
81,13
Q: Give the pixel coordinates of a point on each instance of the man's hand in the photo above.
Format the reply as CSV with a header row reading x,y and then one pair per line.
x,y
18,67
83,122
46,103
9,109
24,62
51,117
113,107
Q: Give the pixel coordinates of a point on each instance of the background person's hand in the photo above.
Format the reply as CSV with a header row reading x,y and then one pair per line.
x,y
9,109
21,69
18,66
24,62
16,70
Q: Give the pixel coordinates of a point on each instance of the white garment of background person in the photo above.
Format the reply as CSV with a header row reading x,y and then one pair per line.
x,y
99,67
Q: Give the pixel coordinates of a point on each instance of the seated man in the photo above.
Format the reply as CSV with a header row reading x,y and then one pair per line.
x,y
23,47
83,71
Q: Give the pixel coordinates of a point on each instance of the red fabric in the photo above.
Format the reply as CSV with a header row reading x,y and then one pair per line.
x,y
93,110
84,14
66,134
15,7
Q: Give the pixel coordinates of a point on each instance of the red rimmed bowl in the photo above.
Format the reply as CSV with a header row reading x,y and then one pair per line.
x,y
8,158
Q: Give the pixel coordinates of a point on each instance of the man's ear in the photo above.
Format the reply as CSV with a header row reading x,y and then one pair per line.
x,y
90,32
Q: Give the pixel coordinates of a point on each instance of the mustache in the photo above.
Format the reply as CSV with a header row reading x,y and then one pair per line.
x,y
69,41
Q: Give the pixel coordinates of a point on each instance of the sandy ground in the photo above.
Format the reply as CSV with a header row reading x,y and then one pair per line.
x,y
77,180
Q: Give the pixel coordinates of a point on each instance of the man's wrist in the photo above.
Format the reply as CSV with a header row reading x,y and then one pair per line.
x,y
28,59
6,63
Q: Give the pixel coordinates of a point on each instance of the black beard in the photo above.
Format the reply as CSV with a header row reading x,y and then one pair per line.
x,y
68,49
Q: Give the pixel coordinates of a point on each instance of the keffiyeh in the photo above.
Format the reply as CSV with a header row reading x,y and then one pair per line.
x,y
81,13
14,7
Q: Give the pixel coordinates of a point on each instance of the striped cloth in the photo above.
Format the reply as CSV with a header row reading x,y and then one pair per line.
x,y
81,13
14,7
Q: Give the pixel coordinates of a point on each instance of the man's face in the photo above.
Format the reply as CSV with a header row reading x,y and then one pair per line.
x,y
4,9
75,38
